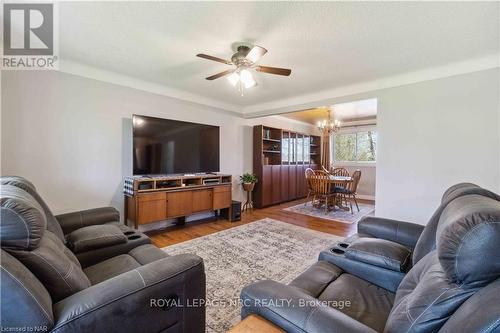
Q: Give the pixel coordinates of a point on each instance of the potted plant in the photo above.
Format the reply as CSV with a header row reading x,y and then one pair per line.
x,y
248,181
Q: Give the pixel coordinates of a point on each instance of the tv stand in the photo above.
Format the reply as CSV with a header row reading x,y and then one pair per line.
x,y
158,198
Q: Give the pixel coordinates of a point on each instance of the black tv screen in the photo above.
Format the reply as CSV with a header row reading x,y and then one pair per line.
x,y
164,146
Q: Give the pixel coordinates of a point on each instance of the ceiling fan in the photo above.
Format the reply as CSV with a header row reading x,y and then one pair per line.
x,y
244,59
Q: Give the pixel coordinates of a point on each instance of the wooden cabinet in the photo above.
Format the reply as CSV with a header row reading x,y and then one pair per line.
x,y
292,182
284,183
275,183
175,196
221,197
265,185
179,203
202,200
151,208
280,158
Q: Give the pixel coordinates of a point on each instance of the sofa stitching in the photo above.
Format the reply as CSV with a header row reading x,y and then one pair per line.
x,y
123,296
57,271
491,326
24,222
429,306
29,292
143,282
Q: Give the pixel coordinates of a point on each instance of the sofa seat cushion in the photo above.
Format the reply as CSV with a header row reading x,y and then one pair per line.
x,y
95,237
110,268
316,278
146,254
369,304
115,266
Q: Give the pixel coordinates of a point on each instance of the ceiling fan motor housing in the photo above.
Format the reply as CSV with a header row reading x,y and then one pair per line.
x,y
239,57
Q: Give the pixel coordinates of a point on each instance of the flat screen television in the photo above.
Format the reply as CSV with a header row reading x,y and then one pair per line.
x,y
165,146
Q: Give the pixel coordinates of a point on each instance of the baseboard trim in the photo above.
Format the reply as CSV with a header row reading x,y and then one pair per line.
x,y
365,197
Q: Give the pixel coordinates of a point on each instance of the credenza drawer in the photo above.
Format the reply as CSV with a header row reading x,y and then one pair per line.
x,y
151,196
220,189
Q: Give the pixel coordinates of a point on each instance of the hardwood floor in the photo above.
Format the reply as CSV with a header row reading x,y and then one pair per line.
x,y
178,234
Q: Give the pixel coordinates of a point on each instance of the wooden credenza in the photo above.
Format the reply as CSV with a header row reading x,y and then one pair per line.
x,y
157,199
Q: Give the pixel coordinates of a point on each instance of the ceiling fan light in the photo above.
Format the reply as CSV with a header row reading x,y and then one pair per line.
x,y
247,79
233,78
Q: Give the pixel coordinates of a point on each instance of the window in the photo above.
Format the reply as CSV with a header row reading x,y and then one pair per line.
x,y
359,146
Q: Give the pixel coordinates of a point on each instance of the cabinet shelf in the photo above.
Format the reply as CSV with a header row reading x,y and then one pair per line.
x,y
272,140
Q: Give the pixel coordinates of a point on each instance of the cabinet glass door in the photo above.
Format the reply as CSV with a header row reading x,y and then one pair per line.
x,y
285,148
300,148
307,149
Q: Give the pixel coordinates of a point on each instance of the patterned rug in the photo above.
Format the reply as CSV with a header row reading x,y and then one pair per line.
x,y
339,215
234,258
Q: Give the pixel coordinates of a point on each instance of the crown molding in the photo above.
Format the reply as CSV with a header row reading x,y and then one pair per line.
x,y
79,69
296,103
308,101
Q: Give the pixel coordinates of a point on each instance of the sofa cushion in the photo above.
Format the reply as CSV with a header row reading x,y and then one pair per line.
x,y
426,298
115,266
369,304
110,268
55,266
146,254
22,221
427,240
468,240
380,252
26,185
316,278
95,237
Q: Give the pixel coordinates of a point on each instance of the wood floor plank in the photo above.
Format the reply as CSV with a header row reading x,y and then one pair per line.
x,y
177,234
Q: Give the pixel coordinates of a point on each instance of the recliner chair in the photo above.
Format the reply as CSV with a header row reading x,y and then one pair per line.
x,y
93,235
44,287
368,283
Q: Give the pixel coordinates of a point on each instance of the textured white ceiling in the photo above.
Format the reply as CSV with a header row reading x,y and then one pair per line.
x,y
326,44
352,111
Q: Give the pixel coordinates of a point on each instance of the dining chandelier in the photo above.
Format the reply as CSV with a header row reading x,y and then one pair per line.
x,y
328,126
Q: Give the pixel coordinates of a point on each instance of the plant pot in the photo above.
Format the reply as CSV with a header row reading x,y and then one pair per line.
x,y
248,186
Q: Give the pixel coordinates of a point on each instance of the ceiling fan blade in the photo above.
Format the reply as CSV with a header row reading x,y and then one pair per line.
x,y
274,70
209,57
255,53
221,74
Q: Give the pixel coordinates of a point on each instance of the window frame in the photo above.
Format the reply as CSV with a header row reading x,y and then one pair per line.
x,y
353,130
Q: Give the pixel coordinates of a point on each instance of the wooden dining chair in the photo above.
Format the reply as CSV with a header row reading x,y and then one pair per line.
x,y
310,193
340,187
322,188
352,187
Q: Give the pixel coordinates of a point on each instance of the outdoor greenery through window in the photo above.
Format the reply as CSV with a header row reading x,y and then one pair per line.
x,y
355,147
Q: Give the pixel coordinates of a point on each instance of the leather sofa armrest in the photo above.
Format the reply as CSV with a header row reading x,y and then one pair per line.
x,y
294,310
404,233
71,221
384,278
151,298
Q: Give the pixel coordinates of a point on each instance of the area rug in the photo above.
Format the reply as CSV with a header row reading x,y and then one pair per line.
x,y
338,215
236,257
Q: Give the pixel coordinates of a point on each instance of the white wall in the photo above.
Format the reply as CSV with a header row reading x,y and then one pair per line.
x,y
432,135
72,136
